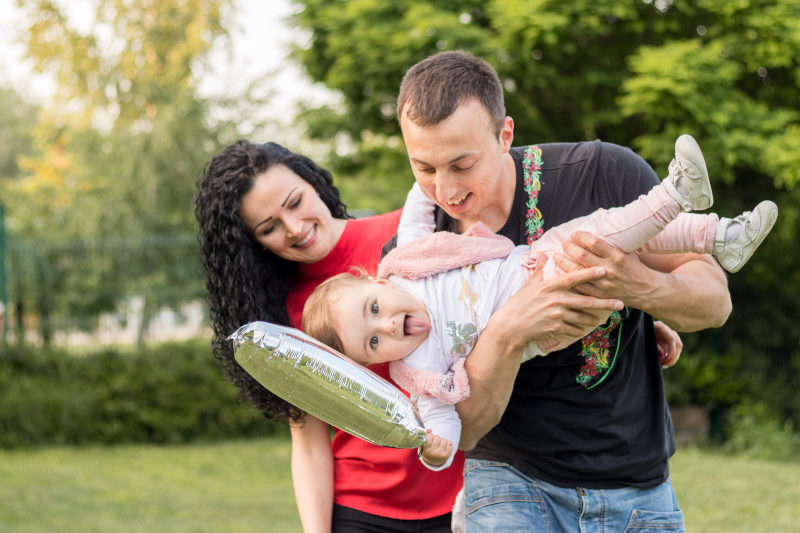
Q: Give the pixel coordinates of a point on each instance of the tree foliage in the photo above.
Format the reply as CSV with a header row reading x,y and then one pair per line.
x,y
125,126
628,72
634,73
17,118
117,151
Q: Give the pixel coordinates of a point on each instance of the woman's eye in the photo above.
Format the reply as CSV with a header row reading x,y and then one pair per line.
x,y
296,203
374,309
266,231
373,342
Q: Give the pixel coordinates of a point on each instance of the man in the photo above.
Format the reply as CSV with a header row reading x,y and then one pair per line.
x,y
580,439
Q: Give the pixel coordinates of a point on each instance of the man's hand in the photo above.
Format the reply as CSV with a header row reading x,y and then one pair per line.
x,y
437,450
544,311
626,276
687,291
540,311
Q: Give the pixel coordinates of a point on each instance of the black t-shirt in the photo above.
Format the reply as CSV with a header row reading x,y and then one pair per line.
x,y
616,431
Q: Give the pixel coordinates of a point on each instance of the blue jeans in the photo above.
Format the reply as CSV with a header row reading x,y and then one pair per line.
x,y
500,498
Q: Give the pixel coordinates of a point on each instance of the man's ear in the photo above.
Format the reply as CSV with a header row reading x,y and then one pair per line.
x,y
507,134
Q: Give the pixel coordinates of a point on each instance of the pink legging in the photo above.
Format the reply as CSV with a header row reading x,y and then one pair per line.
x,y
653,222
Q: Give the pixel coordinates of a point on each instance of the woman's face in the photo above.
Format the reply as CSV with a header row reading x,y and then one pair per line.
x,y
287,217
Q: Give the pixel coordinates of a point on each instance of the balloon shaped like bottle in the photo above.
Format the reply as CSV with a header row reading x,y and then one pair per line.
x,y
326,384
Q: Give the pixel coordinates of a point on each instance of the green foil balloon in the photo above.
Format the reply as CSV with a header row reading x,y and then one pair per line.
x,y
324,383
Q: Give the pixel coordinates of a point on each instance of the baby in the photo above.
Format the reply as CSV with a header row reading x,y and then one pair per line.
x,y
424,314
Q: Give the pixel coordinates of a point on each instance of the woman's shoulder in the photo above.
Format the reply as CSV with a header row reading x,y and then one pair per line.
x,y
382,226
384,219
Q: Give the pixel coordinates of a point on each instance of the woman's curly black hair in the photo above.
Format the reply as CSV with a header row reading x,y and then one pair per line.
x,y
244,282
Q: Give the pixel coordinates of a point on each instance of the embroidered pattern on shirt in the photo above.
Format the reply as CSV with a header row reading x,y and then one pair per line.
x,y
532,173
596,345
464,335
595,349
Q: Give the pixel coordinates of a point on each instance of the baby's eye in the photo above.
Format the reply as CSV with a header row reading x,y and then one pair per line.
x,y
373,342
374,309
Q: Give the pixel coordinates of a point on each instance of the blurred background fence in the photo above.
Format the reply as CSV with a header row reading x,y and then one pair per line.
x,y
102,291
107,341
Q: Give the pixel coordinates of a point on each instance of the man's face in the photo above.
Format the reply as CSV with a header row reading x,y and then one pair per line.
x,y
460,163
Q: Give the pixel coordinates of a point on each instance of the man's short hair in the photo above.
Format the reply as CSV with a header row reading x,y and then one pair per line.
x,y
432,89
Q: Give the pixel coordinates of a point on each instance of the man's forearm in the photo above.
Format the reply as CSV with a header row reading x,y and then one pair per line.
x,y
686,291
691,296
492,367
537,311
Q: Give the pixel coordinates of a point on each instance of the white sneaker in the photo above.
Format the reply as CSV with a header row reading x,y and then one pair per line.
x,y
687,181
756,224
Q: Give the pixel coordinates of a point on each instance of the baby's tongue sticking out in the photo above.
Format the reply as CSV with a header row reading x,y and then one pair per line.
x,y
415,326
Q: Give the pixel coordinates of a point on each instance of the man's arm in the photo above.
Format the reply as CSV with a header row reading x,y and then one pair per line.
x,y
692,293
686,291
537,311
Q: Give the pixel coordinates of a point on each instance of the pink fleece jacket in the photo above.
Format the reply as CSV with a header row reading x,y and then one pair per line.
x,y
442,251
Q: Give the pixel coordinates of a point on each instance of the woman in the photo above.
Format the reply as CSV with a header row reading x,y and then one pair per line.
x,y
272,227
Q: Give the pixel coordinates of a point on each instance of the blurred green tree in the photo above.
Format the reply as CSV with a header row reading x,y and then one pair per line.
x,y
634,73
17,120
118,151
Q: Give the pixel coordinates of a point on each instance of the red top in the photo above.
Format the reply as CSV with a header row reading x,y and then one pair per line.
x,y
386,482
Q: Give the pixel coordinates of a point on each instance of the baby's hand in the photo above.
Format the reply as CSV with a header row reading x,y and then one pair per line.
x,y
528,262
437,449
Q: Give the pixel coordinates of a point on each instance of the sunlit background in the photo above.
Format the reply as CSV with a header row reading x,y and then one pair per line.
x,y
110,109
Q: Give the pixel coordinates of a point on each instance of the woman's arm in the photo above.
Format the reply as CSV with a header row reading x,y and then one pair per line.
x,y
312,473
538,311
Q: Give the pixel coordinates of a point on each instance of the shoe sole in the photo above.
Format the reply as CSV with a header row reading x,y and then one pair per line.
x,y
768,213
690,152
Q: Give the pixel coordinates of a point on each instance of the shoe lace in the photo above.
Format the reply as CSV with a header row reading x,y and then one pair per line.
x,y
685,169
745,218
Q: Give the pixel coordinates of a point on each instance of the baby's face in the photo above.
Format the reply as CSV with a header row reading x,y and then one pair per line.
x,y
378,322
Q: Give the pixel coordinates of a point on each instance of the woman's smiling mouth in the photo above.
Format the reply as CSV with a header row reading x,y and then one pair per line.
x,y
307,238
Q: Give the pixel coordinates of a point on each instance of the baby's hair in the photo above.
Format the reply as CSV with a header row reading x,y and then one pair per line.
x,y
318,318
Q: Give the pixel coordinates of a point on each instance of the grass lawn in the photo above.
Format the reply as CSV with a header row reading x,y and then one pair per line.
x,y
245,487
725,493
223,487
